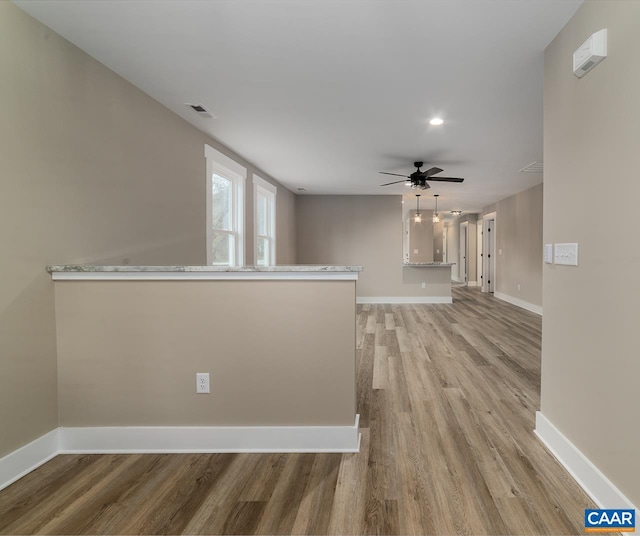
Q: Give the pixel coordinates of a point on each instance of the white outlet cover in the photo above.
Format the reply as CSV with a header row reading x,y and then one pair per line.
x,y
202,383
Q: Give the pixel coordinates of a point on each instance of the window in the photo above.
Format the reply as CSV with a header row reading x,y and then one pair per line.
x,y
264,211
225,214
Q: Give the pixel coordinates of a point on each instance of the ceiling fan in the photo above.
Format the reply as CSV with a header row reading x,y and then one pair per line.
x,y
419,178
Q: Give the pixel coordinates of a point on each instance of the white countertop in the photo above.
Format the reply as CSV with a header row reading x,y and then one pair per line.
x,y
428,264
68,272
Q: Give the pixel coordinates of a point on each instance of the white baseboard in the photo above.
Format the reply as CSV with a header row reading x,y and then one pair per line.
x,y
167,439
176,439
20,462
587,475
519,303
404,299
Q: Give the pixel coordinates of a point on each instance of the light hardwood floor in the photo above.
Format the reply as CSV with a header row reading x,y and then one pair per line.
x,y
446,395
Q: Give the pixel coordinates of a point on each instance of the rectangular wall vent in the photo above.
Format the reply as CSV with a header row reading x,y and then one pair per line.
x,y
534,167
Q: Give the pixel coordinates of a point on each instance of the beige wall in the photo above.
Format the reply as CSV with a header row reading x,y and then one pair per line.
x,y
285,226
590,364
519,236
453,246
438,229
420,238
92,170
366,231
128,352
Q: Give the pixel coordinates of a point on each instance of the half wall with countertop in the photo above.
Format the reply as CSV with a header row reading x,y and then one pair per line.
x,y
278,343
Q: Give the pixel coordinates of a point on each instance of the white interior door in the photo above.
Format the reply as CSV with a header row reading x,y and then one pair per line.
x,y
464,228
490,262
479,254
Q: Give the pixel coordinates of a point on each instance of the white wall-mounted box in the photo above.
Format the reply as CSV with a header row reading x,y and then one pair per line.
x,y
590,53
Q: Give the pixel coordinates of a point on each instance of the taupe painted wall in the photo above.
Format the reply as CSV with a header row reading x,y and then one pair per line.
x,y
590,363
420,238
438,241
519,236
128,352
92,170
453,246
366,231
285,226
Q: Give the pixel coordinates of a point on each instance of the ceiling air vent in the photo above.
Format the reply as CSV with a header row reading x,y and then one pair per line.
x,y
200,110
534,167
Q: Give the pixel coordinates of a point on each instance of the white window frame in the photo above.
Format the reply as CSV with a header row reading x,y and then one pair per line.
x,y
270,191
222,165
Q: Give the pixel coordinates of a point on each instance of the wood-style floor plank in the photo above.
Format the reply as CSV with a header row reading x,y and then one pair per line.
x,y
447,396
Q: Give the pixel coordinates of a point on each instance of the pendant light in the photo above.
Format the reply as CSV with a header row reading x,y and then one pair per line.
x,y
418,216
436,219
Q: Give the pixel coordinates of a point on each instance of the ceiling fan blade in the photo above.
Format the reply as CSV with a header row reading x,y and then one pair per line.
x,y
431,171
396,182
445,179
396,174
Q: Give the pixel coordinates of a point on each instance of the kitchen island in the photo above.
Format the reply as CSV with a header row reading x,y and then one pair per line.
x,y
431,281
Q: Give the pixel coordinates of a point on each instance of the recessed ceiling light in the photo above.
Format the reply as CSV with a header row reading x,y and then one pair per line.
x,y
436,121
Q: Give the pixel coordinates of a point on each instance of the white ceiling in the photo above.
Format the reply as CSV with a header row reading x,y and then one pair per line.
x,y
323,94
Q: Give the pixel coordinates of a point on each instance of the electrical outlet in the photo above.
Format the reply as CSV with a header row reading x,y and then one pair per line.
x,y
518,286
202,383
424,285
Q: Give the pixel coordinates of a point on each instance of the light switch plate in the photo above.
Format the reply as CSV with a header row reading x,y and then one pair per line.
x,y
566,254
548,253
